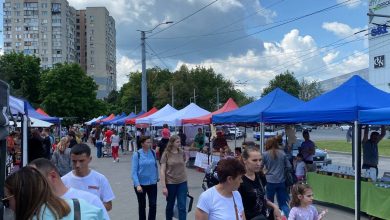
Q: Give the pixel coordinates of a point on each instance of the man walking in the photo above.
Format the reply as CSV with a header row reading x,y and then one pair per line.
x,y
84,178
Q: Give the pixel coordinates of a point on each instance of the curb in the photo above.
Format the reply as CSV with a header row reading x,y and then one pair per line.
x,y
347,153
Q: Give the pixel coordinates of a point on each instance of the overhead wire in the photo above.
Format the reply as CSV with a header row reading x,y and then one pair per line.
x,y
162,61
185,18
263,30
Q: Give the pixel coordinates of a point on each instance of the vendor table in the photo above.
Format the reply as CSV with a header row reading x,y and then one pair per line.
x,y
375,200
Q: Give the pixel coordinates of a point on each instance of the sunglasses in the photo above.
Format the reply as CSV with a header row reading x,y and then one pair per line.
x,y
5,201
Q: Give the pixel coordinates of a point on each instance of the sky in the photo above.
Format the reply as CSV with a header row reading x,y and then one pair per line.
x,y
248,41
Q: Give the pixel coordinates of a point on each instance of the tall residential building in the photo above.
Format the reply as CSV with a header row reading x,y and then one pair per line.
x,y
56,32
101,48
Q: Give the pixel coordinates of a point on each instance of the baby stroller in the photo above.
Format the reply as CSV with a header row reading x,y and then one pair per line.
x,y
210,178
106,151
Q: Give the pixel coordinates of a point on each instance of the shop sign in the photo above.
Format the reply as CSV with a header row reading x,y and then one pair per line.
x,y
378,4
379,61
379,30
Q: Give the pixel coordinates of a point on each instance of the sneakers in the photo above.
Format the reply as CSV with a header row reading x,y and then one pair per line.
x,y
117,159
114,161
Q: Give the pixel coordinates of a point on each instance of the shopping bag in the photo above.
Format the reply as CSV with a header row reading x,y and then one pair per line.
x,y
189,202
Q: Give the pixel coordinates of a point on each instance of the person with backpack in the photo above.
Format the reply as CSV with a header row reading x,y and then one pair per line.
x,y
145,176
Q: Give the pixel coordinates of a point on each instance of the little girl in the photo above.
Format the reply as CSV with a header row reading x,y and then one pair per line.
x,y
300,167
301,204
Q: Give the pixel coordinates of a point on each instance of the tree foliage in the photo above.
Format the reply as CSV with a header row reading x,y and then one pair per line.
x,y
67,91
22,73
183,81
309,90
285,81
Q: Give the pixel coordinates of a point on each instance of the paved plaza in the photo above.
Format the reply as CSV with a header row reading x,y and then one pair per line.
x,y
125,205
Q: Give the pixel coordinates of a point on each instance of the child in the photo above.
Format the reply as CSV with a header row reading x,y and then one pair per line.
x,y
300,167
301,204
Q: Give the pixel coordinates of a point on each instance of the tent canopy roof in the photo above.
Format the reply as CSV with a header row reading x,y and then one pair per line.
x,y
132,120
230,105
166,110
253,112
380,116
174,119
40,111
32,113
339,105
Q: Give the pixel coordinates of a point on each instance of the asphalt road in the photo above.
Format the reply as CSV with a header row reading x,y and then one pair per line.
x,y
125,205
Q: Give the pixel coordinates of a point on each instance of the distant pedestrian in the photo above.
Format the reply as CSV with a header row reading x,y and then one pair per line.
x,y
61,157
162,144
349,134
174,178
199,140
301,204
115,146
308,150
300,167
145,177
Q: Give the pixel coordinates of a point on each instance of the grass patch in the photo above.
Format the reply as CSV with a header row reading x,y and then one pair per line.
x,y
343,146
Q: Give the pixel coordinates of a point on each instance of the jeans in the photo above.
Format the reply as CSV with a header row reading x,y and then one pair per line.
x,y
179,192
281,195
151,191
99,146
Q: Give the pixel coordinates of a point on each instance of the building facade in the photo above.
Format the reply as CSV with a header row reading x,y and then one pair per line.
x,y
332,83
57,33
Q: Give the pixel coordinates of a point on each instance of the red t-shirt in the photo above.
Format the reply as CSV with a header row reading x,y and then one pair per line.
x,y
107,135
165,133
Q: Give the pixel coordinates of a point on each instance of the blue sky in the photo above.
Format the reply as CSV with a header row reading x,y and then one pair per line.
x,y
256,59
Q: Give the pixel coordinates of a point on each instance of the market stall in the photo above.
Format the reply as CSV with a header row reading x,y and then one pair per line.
x,y
166,110
175,119
340,105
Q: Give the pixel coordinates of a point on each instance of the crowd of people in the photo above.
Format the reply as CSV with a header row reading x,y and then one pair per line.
x,y
248,181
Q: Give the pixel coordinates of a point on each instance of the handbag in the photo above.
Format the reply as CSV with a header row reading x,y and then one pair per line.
x,y
290,178
189,202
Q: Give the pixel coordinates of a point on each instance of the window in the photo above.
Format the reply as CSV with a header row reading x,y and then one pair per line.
x,y
18,20
44,13
7,44
44,21
27,43
18,36
8,28
92,65
56,8
56,21
43,5
7,12
17,5
18,44
7,21
44,44
27,51
78,20
31,4
7,36
44,36
17,13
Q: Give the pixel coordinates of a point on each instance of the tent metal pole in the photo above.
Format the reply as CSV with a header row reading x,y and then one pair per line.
x,y
357,147
261,137
25,133
235,137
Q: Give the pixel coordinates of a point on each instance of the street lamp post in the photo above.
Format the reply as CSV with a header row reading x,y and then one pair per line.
x,y
144,87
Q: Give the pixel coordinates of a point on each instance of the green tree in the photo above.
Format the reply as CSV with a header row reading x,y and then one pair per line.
x,y
67,91
309,90
22,73
285,81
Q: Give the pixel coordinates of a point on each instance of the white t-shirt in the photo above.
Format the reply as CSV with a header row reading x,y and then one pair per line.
x,y
92,199
300,169
114,140
94,183
219,207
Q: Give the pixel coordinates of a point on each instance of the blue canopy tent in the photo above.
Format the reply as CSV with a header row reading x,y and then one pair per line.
x,y
341,105
117,121
130,116
380,116
110,122
32,113
253,112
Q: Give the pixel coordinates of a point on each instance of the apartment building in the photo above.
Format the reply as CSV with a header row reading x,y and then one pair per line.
x,y
56,33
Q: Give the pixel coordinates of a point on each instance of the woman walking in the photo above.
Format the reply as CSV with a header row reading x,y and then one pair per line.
x,y
145,178
275,162
115,146
223,202
252,188
174,178
61,157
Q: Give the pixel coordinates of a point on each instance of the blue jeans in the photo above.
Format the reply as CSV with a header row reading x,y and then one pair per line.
x,y
178,191
281,195
99,146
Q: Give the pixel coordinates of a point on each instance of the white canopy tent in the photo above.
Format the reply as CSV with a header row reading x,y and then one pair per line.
x,y
35,123
16,105
175,119
93,120
166,110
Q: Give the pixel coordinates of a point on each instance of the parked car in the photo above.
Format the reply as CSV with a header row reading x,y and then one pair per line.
x,y
345,127
300,127
267,134
320,157
235,132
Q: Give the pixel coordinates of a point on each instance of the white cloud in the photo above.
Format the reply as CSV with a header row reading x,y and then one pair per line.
x,y
294,52
340,29
352,3
328,58
124,66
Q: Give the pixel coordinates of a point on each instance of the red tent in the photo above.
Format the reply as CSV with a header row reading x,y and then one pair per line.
x,y
230,105
40,111
106,119
132,120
